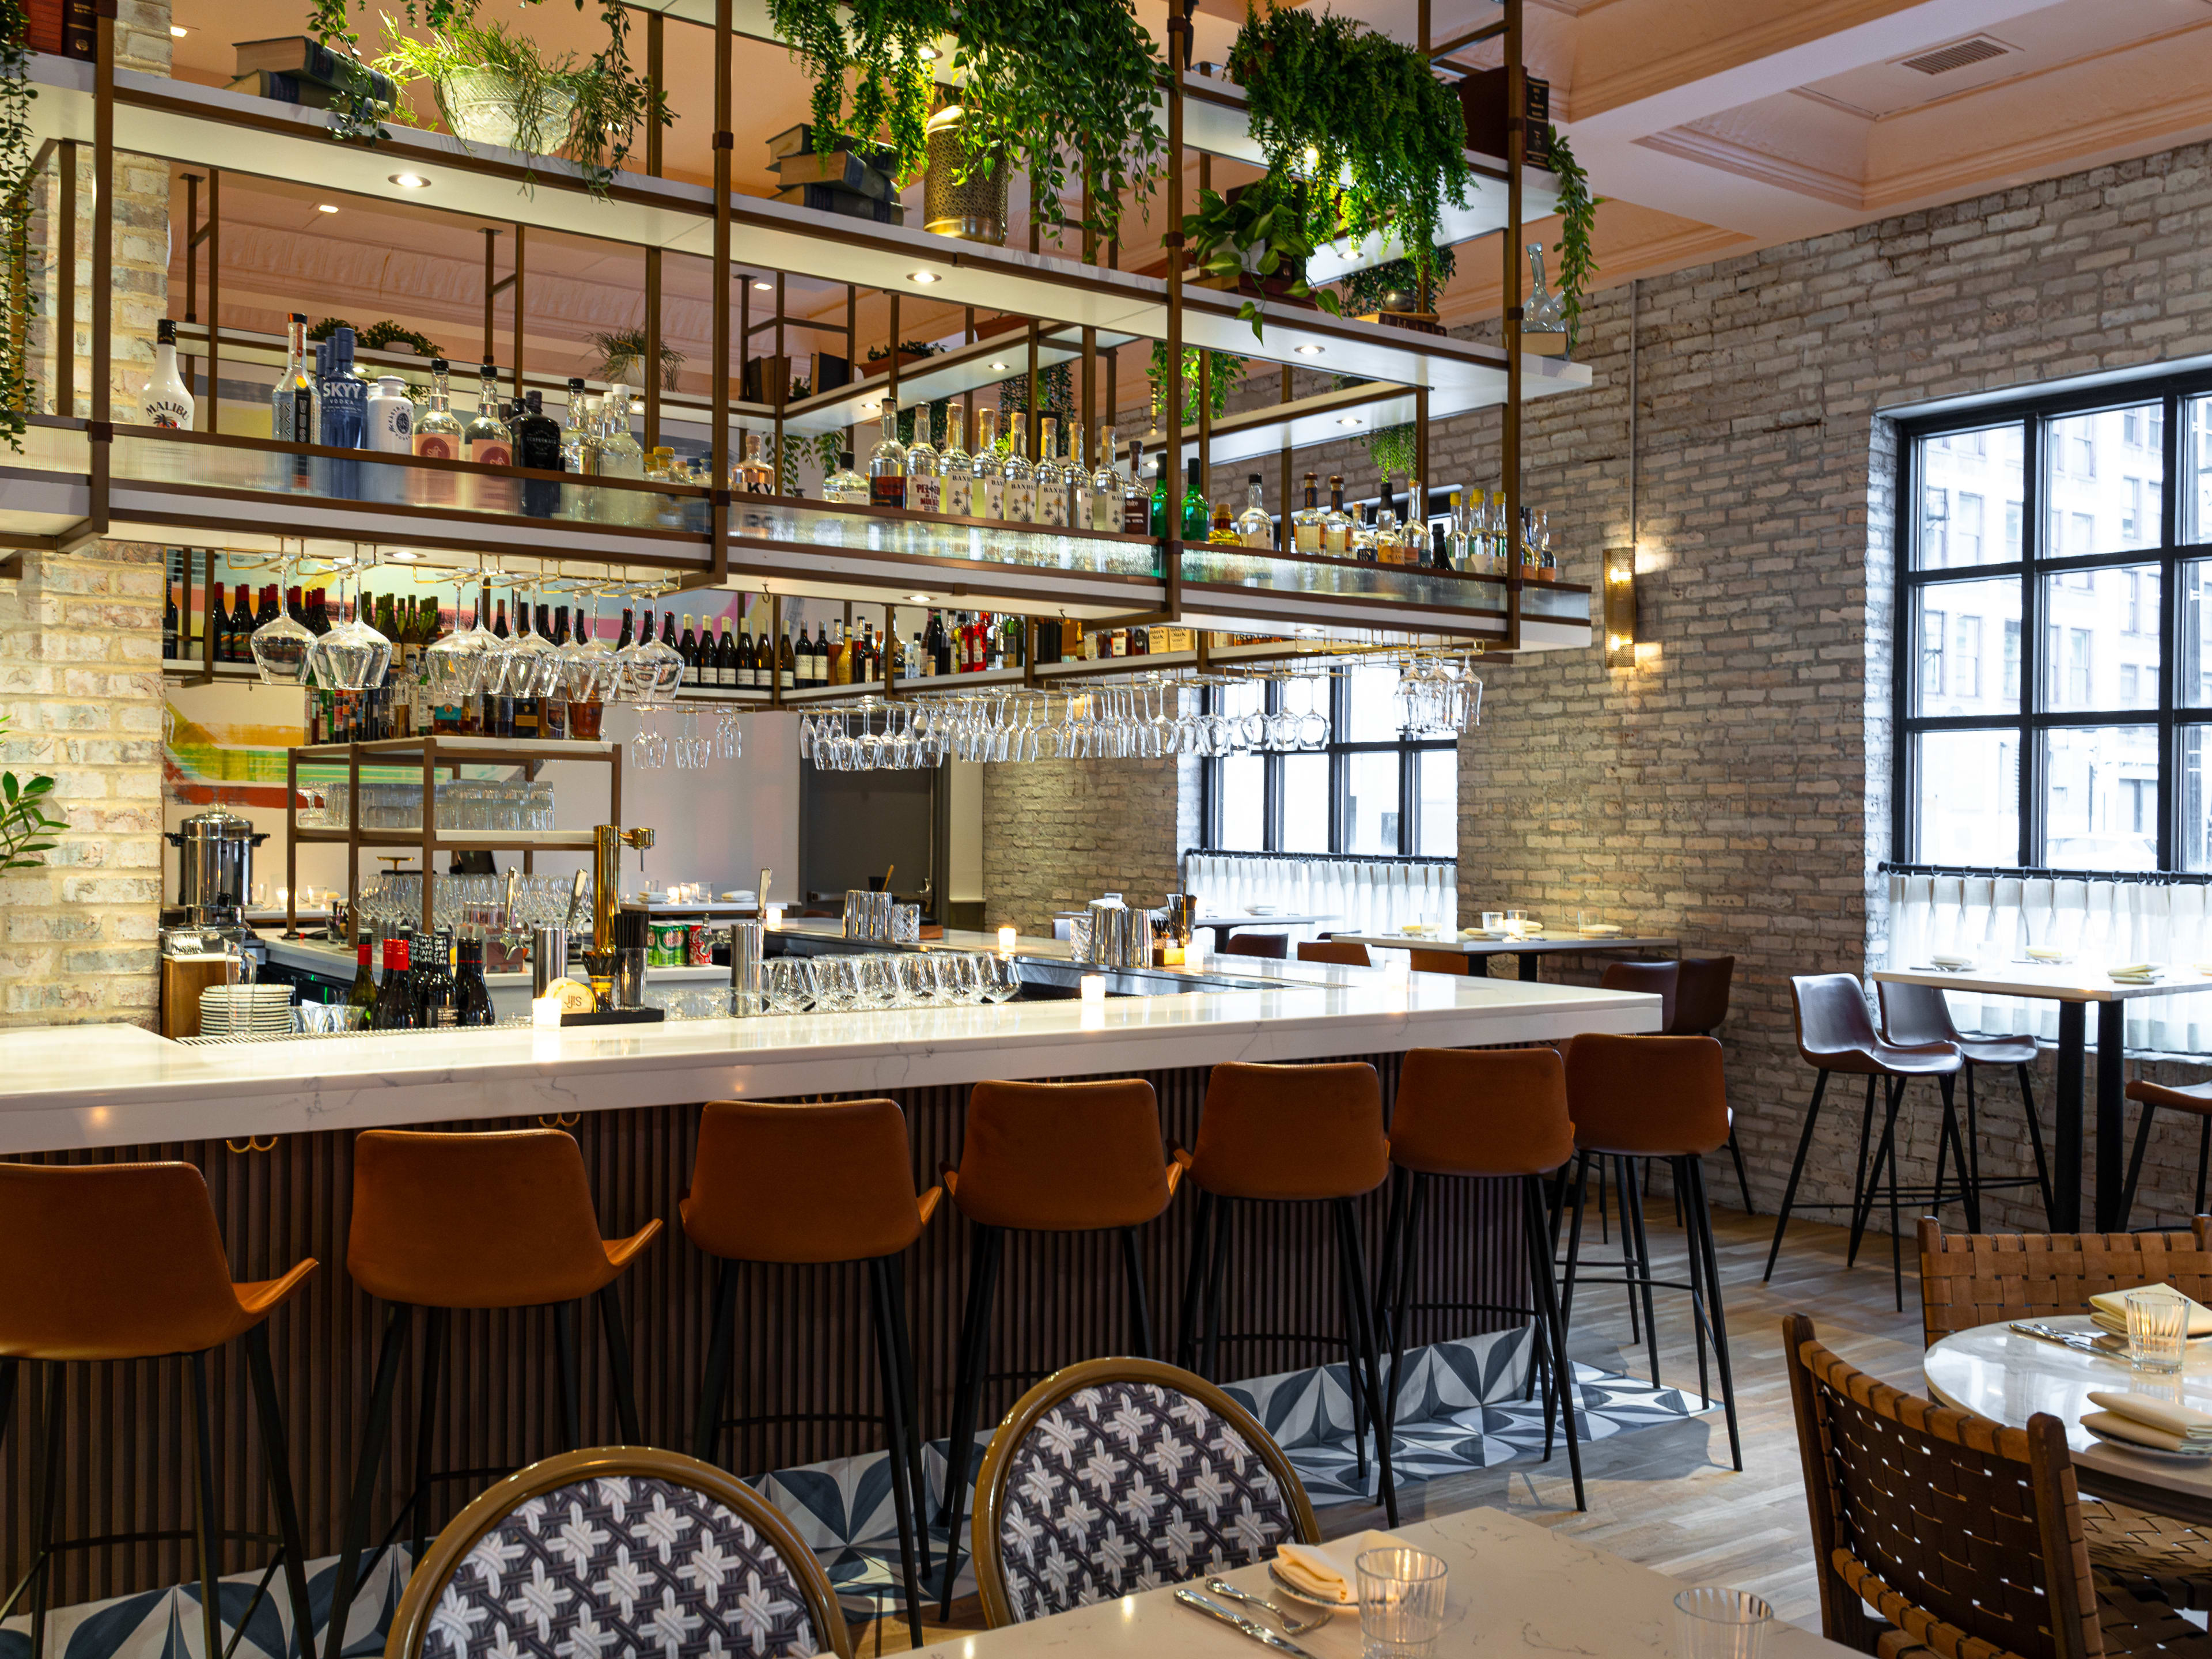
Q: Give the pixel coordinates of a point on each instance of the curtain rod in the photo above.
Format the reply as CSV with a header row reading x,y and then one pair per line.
x,y
1323,858
2146,878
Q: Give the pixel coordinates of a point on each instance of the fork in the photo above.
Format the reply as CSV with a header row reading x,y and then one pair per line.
x,y
1293,1624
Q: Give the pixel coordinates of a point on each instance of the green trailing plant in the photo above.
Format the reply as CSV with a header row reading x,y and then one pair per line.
x,y
1224,370
1366,291
907,349
1064,90
15,96
623,351
1262,232
1359,117
1392,450
378,336
1055,391
1577,216
25,823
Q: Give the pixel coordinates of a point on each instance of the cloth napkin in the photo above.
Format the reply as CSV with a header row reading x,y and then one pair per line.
x,y
2109,1312
2166,1416
1329,1573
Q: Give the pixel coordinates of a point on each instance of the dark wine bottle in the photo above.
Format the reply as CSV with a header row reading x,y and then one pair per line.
x,y
363,994
472,997
628,636
437,995
395,1001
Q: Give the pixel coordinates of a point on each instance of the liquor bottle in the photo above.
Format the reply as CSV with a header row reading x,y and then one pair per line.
x,y
1219,526
472,997
1049,481
1075,470
846,486
267,613
933,647
755,476
726,660
167,401
437,436
1196,517
241,625
887,463
168,620
218,624
437,994
1020,475
624,639
1106,486
292,404
1161,528
956,472
1256,527
989,491
620,456
1136,505
1361,544
537,444
1414,525
395,1005
388,422
341,408
745,680
825,667
363,994
577,454
1389,543
910,660
1306,522
688,646
925,485
785,662
1336,523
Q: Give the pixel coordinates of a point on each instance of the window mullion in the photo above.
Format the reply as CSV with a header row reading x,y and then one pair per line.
x,y
2030,839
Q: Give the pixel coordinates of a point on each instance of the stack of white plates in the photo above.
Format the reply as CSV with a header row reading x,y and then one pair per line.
x,y
245,1010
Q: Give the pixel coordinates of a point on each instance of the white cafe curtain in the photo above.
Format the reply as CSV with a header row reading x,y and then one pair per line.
x,y
1358,895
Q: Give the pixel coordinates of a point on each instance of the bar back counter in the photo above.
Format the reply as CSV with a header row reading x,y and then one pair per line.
x,y
273,1125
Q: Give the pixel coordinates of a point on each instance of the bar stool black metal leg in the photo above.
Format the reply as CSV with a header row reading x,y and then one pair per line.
x,y
1797,1169
1973,1150
1870,1186
1357,1294
376,1430
1574,1245
903,1350
2035,1141
1859,1191
431,1371
564,1353
1398,1236
1354,1294
893,1386
1552,1327
1386,1290
1636,1244
714,1388
2203,1161
614,1320
1216,1278
1943,1143
1742,1181
1193,1283
275,1453
1703,1241
1969,1176
207,1520
46,1499
1690,1250
966,1396
2144,1109
1141,1306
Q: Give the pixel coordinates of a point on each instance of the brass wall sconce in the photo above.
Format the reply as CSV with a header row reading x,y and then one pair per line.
x,y
1621,608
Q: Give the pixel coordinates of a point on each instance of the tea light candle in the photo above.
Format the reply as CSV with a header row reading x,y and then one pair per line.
x,y
774,916
545,1014
1005,941
1094,989
1194,954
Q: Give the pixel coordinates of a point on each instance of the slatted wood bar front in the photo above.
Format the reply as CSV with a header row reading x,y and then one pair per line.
x,y
803,1332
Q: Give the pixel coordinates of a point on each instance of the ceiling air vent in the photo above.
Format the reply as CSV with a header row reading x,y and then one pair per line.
x,y
1977,49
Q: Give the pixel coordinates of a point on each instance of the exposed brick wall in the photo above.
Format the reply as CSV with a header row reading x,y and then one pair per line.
x,y
1057,834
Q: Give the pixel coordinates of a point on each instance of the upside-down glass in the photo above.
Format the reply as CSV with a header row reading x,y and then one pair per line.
x,y
836,983
878,980
280,646
351,656
789,984
1001,977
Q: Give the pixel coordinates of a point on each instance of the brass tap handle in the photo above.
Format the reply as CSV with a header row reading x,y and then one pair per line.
x,y
641,837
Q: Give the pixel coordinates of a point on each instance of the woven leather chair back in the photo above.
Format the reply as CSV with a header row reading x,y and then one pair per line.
x,y
1987,1279
1964,1535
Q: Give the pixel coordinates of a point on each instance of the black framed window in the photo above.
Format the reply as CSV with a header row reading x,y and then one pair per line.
x,y
1367,790
2053,676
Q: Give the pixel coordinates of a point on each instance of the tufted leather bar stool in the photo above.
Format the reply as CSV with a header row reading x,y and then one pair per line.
x,y
1917,1016
1481,1115
1835,1034
2196,1100
807,1186
459,1221
1290,1134
1045,1158
124,1261
1657,1097
1344,952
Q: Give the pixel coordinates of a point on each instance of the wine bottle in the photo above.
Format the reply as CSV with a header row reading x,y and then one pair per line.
x,y
471,997
787,666
363,994
395,1003
437,995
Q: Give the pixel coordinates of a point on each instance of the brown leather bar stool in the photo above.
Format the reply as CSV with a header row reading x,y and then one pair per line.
x,y
1344,952
1914,1016
1292,1134
456,1221
1835,1033
807,1186
2196,1100
1273,946
1477,1115
124,1261
1045,1158
1659,1097
1693,996
1440,962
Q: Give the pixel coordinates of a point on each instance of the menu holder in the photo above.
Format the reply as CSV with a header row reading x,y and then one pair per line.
x,y
616,1017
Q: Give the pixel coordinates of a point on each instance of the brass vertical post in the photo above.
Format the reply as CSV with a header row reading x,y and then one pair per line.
x,y
215,299
1283,526
100,411
491,287
654,23
719,277
1516,150
65,290
516,335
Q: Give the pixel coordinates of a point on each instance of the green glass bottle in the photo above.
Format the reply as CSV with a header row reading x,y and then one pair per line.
x,y
1197,513
1159,498
363,994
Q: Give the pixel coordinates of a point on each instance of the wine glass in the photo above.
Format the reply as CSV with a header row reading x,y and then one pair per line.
x,y
878,980
836,983
352,656
1000,978
789,985
280,644
586,666
458,661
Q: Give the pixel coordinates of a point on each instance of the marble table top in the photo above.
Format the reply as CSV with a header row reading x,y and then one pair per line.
x,y
1515,1589
2064,981
1997,1373
1482,945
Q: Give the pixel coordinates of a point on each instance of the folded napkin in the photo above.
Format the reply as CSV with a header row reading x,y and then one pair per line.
x,y
2131,968
1330,1572
2166,1417
2141,1434
2109,1312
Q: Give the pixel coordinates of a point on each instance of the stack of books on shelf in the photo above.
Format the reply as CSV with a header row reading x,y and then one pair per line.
x,y
292,68
839,173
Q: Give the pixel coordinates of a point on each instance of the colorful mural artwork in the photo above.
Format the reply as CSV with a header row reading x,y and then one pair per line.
x,y
225,751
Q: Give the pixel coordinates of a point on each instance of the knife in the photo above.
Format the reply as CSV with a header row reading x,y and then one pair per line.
x,y
1251,1627
2081,1341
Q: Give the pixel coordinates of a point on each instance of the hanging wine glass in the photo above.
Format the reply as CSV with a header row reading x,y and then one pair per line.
x,y
457,660
280,644
527,665
585,666
352,656
637,668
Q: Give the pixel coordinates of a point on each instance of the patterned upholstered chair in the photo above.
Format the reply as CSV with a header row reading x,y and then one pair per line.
x,y
1117,1475
619,1549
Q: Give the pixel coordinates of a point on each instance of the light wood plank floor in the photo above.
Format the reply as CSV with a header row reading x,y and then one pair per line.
x,y
1667,1497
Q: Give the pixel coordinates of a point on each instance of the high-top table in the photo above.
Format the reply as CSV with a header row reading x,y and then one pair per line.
x,y
2073,986
1524,952
1515,1589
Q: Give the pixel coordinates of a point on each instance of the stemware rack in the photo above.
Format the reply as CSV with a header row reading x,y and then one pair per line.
x,y
434,751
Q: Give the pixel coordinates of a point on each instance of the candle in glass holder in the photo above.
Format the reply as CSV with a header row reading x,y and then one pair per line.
x,y
775,915
545,1012
1094,987
1194,954
1005,941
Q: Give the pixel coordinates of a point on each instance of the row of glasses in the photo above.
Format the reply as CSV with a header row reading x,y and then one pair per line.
x,y
1436,698
845,982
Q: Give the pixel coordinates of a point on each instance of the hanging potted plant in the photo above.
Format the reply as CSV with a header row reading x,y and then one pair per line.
x,y
622,354
1577,217
1256,241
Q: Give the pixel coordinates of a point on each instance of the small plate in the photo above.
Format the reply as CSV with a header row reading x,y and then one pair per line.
x,y
2200,1458
1306,1599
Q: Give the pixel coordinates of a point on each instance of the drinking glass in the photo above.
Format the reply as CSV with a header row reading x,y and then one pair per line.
x,y
789,984
280,646
1401,1603
836,983
956,977
1002,978
917,977
1712,1622
877,981
352,656
2158,1328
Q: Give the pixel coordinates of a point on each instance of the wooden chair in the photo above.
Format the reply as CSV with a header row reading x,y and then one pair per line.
x,y
1968,1279
1345,953
1221,1494
775,1600
1965,1536
1273,946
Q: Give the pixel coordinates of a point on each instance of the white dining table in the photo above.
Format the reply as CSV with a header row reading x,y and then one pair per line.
x,y
2073,986
1996,1372
1525,950
1515,1589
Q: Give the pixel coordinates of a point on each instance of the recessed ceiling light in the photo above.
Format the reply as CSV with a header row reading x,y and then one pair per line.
x,y
405,555
925,277
1001,367
410,181
764,286
917,599
927,54
1349,420
178,30
324,207
1309,351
